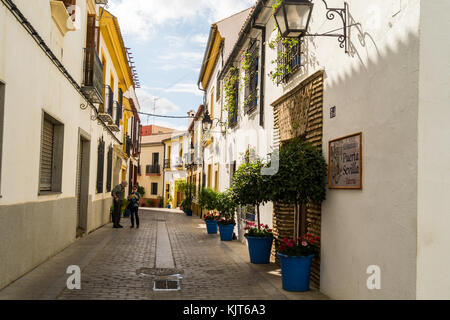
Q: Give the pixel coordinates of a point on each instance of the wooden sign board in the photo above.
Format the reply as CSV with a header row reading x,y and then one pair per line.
x,y
345,162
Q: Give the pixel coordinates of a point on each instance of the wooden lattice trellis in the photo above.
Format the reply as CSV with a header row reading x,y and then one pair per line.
x,y
300,112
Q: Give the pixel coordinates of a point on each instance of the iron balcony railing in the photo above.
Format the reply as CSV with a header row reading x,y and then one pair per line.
x,y
109,101
179,163
167,164
128,146
92,75
119,113
153,169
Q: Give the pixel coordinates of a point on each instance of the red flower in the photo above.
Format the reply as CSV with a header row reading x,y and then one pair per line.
x,y
269,230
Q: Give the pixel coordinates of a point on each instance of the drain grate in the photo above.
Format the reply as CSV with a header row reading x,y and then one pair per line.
x,y
166,285
163,279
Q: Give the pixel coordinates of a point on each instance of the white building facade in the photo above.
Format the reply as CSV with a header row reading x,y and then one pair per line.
x,y
387,84
56,150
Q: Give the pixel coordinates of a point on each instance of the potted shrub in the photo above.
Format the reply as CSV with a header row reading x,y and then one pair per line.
x,y
160,201
141,191
259,238
295,259
226,207
149,203
188,190
249,187
169,201
211,219
207,199
301,178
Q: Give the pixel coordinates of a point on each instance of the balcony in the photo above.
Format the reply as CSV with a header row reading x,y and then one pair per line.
x,y
128,146
92,76
115,125
106,108
154,169
167,164
179,164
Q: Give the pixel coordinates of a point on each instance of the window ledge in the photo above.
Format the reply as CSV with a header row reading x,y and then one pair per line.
x,y
49,193
61,17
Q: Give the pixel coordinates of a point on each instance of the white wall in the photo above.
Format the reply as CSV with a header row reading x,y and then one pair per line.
x,y
35,85
433,260
375,92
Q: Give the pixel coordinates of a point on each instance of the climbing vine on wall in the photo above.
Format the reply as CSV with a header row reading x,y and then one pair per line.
x,y
230,91
284,46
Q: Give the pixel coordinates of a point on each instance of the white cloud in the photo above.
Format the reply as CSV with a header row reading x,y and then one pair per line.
x,y
200,39
181,88
178,60
141,18
161,106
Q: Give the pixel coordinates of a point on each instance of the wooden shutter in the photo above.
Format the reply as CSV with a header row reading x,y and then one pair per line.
x,y
155,159
100,166
90,34
46,170
109,172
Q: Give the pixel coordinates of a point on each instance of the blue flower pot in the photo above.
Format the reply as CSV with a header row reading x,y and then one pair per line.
x,y
211,226
295,272
259,249
188,213
226,232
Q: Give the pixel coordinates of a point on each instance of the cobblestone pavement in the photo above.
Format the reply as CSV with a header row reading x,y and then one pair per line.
x,y
109,260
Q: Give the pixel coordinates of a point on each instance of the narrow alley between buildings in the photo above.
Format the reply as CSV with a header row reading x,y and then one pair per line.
x,y
113,264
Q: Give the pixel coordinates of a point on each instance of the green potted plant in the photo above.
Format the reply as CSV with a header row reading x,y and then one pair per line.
x,y
211,219
169,201
226,206
301,178
141,191
160,201
188,190
207,199
249,187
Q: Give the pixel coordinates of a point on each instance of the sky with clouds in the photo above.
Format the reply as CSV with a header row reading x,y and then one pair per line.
x,y
168,40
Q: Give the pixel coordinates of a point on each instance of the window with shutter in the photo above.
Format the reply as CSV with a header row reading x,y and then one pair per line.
x,y
154,188
100,165
2,108
109,172
50,170
47,156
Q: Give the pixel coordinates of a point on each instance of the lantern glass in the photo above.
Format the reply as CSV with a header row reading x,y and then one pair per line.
x,y
280,19
293,17
206,122
297,18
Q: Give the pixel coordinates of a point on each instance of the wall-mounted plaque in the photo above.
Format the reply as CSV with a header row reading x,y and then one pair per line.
x,y
345,162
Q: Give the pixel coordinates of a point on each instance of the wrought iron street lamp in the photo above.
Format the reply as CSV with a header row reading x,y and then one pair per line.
x,y
206,122
292,17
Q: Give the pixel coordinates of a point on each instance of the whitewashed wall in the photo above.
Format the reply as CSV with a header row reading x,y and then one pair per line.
x,y
34,227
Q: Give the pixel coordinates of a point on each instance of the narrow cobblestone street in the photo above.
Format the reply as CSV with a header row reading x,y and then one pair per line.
x,y
109,259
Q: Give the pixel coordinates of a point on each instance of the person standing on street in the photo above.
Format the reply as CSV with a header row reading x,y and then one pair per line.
x,y
134,198
118,194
